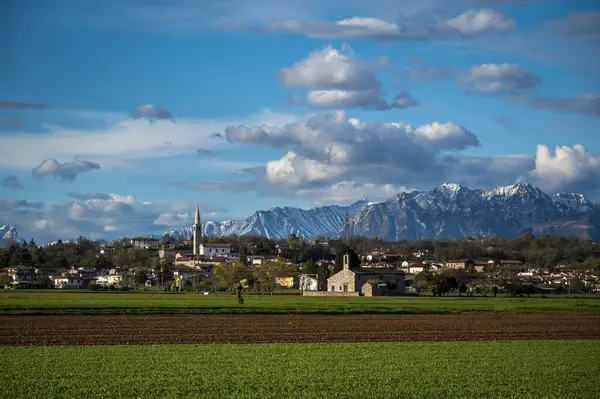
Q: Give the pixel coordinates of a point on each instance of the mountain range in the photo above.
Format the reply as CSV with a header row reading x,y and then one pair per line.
x,y
449,211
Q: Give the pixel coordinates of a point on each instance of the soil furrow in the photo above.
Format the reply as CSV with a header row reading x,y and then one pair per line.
x,y
172,329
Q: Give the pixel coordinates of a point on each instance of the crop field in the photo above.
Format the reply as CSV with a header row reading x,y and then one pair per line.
x,y
160,344
85,302
255,328
503,369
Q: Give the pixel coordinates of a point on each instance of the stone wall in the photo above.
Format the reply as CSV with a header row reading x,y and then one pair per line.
x,y
342,277
329,293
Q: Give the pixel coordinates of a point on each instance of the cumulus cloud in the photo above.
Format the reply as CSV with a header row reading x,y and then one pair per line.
x,y
21,105
568,169
151,113
588,104
498,79
64,172
328,156
99,215
12,181
327,149
469,23
335,79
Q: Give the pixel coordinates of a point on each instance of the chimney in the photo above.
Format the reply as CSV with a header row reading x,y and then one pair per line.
x,y
346,261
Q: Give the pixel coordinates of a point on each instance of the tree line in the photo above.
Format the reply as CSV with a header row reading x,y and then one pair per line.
x,y
545,251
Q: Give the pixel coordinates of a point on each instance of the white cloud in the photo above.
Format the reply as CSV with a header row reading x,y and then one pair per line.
x,y
329,68
99,216
335,79
469,23
569,168
333,158
475,22
498,79
121,142
294,169
327,149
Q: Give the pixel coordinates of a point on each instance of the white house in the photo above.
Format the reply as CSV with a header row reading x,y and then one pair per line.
x,y
308,282
416,268
144,242
70,282
212,250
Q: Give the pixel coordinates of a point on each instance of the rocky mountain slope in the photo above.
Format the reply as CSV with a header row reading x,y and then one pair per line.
x,y
453,211
582,226
281,222
449,211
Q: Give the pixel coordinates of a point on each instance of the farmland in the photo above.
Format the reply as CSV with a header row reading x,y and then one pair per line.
x,y
567,369
55,302
255,328
163,344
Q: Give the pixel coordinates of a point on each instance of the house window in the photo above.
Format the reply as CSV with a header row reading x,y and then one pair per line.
x,y
333,288
345,287
340,287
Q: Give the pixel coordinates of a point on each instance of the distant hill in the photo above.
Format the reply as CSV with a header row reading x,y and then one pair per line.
x,y
584,226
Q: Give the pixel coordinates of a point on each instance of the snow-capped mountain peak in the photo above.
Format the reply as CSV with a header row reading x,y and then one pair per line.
x,y
8,232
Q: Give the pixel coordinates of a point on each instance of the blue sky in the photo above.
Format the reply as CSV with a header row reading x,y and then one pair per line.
x,y
152,106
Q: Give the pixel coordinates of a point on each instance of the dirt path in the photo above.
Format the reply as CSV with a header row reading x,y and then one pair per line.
x,y
163,329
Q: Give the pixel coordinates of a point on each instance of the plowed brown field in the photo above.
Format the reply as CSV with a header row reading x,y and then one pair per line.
x,y
163,329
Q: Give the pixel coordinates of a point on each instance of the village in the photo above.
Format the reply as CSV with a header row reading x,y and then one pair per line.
x,y
220,266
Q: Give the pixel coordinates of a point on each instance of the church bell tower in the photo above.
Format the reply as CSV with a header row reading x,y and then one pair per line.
x,y
197,232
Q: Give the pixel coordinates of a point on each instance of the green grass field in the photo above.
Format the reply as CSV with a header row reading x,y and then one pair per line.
x,y
85,302
502,369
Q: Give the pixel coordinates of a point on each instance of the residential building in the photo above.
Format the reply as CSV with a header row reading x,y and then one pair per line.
x,y
212,250
144,242
458,263
72,281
